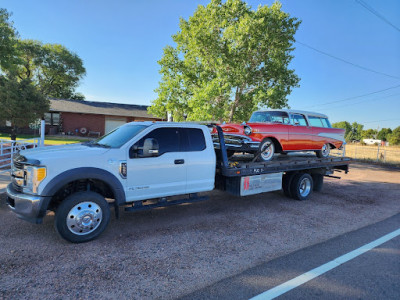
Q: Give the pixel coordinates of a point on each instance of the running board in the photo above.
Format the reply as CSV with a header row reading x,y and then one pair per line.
x,y
164,202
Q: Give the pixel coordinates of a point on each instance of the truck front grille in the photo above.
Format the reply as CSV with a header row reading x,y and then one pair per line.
x,y
17,187
231,139
18,161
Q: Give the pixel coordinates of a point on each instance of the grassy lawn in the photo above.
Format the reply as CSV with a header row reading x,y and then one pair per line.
x,y
52,140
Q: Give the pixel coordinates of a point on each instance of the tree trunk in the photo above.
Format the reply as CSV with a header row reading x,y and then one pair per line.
x,y
13,134
235,103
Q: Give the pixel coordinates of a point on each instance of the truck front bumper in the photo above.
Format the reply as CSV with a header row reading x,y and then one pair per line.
x,y
26,207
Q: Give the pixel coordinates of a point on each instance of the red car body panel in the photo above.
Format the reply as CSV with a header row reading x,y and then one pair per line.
x,y
291,137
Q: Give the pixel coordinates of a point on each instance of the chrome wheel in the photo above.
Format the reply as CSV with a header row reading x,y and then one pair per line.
x,y
305,187
325,150
267,150
84,218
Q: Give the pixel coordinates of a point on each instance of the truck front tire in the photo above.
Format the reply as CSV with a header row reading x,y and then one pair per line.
x,y
82,217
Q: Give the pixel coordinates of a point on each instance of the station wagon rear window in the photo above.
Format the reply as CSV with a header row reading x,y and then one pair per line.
x,y
319,122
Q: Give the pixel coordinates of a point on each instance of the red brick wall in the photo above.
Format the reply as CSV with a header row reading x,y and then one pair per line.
x,y
73,121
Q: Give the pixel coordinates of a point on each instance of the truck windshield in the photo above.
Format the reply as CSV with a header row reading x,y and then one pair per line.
x,y
118,137
269,117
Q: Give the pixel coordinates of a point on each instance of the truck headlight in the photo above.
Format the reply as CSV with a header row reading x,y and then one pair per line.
x,y
33,177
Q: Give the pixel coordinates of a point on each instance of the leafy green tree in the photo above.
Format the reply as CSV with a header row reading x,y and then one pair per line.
x,y
369,134
394,137
355,133
344,125
228,61
8,39
54,69
21,102
384,133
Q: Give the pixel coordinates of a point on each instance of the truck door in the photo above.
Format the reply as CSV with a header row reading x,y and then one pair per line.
x,y
159,176
200,160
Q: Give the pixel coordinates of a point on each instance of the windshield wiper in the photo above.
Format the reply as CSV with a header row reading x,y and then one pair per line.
x,y
101,145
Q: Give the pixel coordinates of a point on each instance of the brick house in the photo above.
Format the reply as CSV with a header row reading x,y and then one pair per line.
x,y
91,118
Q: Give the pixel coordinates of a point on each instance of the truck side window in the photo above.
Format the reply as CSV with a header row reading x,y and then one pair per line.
x,y
168,139
193,139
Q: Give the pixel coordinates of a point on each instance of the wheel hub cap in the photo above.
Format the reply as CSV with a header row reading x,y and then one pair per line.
x,y
84,218
267,151
305,187
325,150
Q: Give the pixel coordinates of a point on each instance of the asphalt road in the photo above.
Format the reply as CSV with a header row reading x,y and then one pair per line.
x,y
372,275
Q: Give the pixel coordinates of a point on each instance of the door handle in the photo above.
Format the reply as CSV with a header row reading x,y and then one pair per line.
x,y
179,161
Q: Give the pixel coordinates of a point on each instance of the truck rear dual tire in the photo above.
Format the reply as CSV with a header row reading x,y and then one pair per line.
x,y
318,182
298,186
82,217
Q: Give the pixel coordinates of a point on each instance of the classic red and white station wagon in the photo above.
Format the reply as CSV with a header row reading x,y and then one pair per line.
x,y
282,131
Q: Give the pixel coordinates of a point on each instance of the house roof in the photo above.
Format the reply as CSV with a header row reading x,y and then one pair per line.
x,y
99,108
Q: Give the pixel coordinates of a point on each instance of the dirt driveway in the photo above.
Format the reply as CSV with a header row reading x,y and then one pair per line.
x,y
167,253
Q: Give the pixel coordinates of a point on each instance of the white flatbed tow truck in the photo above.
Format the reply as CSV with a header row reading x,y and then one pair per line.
x,y
143,165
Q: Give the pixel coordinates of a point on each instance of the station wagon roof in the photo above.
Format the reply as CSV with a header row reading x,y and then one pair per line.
x,y
294,111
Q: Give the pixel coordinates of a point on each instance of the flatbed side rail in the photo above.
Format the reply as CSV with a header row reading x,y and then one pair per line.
x,y
246,169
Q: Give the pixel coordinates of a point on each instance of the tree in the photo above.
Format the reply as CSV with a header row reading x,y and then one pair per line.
x,y
384,133
355,133
21,102
8,39
228,61
54,69
369,134
344,125
394,137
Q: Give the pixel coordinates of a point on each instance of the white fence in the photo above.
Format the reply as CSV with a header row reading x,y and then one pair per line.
x,y
388,154
8,148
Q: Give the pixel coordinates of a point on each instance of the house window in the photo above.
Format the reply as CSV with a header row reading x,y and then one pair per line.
x,y
52,118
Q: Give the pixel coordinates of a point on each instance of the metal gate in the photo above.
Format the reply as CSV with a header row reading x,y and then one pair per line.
x,y
8,148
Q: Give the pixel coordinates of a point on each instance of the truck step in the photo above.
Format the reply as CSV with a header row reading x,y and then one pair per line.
x,y
163,202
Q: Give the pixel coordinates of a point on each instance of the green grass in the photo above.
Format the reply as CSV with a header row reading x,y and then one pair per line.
x,y
54,140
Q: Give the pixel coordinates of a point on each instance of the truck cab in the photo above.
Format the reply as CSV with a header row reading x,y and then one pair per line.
x,y
137,161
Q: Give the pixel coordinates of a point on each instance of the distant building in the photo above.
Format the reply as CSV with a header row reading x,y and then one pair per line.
x,y
91,118
375,142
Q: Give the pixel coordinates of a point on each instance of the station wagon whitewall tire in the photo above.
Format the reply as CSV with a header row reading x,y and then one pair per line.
x,y
82,217
324,152
267,150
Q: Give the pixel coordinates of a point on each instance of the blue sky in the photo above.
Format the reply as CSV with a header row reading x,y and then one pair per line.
x,y
120,43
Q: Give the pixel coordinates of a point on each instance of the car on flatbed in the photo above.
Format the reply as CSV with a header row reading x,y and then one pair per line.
x,y
143,165
283,131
